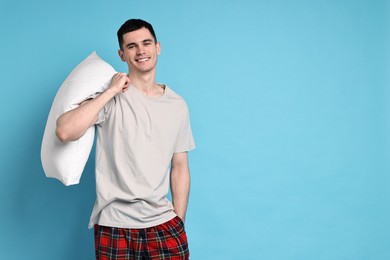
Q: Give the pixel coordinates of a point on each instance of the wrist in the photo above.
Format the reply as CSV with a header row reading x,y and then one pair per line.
x,y
112,91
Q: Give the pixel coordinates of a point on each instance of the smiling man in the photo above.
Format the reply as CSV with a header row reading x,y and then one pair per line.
x,y
144,135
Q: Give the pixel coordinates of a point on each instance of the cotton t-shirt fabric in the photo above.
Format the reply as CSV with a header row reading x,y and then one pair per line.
x,y
137,136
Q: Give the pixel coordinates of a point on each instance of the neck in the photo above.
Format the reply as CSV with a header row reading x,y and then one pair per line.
x,y
146,83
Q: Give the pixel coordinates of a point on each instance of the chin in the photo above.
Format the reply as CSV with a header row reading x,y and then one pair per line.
x,y
145,69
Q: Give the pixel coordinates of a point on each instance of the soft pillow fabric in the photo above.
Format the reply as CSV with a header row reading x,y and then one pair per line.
x,y
65,161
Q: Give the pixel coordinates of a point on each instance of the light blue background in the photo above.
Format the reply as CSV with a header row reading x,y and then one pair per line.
x,y
290,110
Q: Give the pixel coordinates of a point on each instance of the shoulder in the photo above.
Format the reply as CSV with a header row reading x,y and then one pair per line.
x,y
173,96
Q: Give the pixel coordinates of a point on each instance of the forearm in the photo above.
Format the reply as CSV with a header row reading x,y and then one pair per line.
x,y
73,124
180,189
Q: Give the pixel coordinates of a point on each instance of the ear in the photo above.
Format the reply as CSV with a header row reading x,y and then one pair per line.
x,y
158,48
121,55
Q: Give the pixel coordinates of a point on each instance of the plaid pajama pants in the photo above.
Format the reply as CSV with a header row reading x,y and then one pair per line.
x,y
167,241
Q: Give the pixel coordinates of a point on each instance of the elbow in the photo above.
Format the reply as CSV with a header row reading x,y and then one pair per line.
x,y
69,131
62,135
65,134
60,131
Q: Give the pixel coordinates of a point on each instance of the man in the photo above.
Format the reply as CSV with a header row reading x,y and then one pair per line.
x,y
144,134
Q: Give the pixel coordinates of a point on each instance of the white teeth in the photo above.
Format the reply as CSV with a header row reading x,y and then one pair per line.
x,y
142,60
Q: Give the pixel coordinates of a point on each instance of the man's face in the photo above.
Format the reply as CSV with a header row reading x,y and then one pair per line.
x,y
139,51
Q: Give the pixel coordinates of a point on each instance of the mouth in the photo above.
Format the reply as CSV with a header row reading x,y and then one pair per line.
x,y
142,60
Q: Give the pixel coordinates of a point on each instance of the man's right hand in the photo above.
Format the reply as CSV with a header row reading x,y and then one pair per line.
x,y
120,82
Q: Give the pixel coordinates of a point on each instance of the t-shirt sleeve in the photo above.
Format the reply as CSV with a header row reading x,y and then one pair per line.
x,y
104,113
185,140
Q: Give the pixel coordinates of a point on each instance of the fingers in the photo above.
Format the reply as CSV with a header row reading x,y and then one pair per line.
x,y
119,76
120,81
126,82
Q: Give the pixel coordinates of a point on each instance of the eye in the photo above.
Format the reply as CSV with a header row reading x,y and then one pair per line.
x,y
130,47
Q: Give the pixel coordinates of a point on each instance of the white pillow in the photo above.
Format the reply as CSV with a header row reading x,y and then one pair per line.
x,y
65,161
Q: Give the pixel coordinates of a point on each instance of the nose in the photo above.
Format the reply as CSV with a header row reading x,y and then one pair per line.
x,y
140,50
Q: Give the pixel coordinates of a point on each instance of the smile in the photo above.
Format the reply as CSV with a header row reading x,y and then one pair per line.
x,y
142,60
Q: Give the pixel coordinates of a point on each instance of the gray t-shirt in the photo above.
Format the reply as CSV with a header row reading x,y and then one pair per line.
x,y
137,137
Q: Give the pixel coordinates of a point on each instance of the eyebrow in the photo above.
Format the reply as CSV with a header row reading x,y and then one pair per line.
x,y
144,41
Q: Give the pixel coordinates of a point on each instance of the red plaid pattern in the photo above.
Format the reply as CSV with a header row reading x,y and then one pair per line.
x,y
167,241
